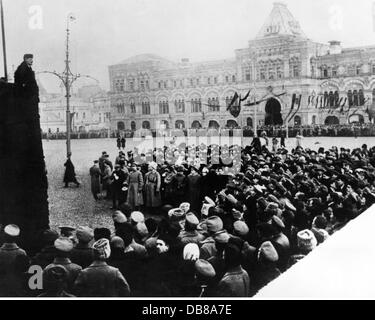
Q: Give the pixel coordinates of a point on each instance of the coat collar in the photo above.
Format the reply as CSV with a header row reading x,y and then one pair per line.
x,y
9,246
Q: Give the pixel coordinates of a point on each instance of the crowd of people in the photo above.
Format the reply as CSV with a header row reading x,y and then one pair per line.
x,y
189,229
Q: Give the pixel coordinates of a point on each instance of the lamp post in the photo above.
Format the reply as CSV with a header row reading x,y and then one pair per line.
x,y
3,41
68,78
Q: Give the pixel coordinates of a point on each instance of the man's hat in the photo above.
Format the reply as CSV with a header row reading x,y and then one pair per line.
x,y
84,234
66,229
55,274
12,230
64,244
204,268
28,56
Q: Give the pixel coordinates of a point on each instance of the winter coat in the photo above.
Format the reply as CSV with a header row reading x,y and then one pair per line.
x,y
135,187
152,189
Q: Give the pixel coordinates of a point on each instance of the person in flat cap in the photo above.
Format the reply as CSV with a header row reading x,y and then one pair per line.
x,y
9,251
95,175
100,279
82,253
55,278
152,187
118,219
63,247
24,79
190,234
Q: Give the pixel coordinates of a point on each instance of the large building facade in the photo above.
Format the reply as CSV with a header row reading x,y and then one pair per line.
x,y
324,83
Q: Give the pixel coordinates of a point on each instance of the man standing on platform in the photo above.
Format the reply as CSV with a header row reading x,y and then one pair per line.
x,y
24,79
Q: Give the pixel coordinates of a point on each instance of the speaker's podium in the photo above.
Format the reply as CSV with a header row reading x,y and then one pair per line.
x,y
23,176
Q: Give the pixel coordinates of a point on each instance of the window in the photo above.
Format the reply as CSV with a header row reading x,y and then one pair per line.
x,y
373,96
192,82
174,84
334,71
147,85
196,105
350,98
142,84
247,73
181,83
351,70
119,85
146,107
226,79
313,120
215,80
294,68
180,106
358,70
361,97
58,130
208,80
295,71
163,107
355,98
159,85
131,84
198,82
233,78
84,116
120,107
279,72
132,107
165,84
213,104
100,117
373,68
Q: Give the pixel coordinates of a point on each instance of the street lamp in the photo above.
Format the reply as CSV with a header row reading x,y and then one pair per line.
x,y
3,41
68,78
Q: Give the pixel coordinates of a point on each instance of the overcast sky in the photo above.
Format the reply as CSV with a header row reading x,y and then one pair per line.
x,y
109,31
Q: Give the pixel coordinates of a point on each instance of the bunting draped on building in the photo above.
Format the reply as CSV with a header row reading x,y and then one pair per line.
x,y
234,106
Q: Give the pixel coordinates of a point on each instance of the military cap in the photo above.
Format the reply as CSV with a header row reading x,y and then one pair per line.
x,y
137,217
119,217
55,274
176,214
278,222
64,244
102,248
273,199
185,206
222,236
191,219
66,229
268,252
12,230
214,224
49,236
204,268
28,56
240,228
142,230
84,234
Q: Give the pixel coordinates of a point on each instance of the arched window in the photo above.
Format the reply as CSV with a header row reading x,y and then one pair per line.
x,y
350,98
361,97
196,125
164,107
331,99
120,126
196,105
180,106
313,120
146,125
133,126
180,124
232,124
337,98
132,106
297,121
146,107
249,122
355,98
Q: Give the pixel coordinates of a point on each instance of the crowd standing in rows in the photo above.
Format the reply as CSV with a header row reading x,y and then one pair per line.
x,y
198,230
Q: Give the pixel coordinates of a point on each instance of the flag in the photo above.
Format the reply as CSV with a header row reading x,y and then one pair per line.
x,y
234,107
72,17
299,106
292,106
247,95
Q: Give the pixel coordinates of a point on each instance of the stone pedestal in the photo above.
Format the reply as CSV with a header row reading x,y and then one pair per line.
x,y
23,177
